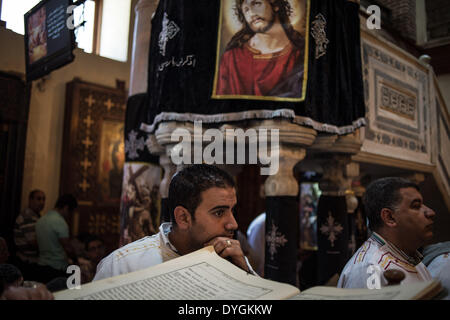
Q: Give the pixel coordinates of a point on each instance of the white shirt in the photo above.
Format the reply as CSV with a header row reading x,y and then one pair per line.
x,y
383,255
256,233
143,253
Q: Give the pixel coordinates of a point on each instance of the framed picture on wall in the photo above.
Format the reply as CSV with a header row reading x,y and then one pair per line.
x,y
93,157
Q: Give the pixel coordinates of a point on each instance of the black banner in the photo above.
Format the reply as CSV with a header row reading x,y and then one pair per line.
x,y
140,199
332,235
320,84
282,235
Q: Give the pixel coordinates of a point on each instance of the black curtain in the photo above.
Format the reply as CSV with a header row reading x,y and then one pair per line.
x,y
181,69
332,236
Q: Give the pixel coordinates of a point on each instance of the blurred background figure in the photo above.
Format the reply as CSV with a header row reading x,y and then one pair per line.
x,y
55,247
437,260
27,250
11,275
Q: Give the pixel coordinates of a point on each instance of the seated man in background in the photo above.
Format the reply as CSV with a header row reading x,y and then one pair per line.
x,y
94,252
201,203
27,251
401,224
55,247
12,286
11,275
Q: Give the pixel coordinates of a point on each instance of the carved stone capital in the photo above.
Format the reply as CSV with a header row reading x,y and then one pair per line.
x,y
145,4
144,10
283,183
169,171
289,133
153,146
324,141
338,173
165,129
358,189
348,144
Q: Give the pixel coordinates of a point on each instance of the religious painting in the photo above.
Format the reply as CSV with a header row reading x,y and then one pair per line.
x,y
111,160
141,202
37,39
309,197
262,50
93,158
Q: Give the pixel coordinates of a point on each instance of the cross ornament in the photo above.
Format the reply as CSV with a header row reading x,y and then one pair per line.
x,y
85,164
88,121
84,185
275,239
87,142
331,228
133,145
90,100
109,104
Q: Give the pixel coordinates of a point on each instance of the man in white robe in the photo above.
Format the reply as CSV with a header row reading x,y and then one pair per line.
x,y
401,224
201,199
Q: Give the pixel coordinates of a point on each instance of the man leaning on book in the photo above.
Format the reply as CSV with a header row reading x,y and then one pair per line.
x,y
401,224
201,203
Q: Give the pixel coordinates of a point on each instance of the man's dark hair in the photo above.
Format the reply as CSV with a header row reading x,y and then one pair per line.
x,y
187,185
33,192
9,273
66,200
91,238
284,11
383,193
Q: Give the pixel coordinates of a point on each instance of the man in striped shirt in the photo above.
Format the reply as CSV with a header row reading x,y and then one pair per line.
x,y
27,250
401,224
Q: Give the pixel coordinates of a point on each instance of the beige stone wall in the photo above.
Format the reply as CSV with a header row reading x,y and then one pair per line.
x,y
46,115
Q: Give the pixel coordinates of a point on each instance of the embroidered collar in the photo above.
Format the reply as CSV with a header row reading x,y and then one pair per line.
x,y
258,55
414,260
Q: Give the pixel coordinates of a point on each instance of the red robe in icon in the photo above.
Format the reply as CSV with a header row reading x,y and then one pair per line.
x,y
245,71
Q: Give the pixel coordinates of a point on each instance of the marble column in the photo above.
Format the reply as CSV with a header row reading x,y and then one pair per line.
x,y
282,211
141,45
360,217
282,219
333,228
163,145
334,153
138,84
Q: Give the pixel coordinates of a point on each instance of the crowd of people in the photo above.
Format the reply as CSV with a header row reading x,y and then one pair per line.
x,y
202,200
43,249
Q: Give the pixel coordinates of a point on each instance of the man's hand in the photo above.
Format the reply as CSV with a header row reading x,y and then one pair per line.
x,y
22,293
229,249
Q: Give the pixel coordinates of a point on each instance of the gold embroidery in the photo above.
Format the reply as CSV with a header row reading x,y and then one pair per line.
x,y
258,55
319,34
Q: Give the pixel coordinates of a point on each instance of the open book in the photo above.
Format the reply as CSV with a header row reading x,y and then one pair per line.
x,y
203,275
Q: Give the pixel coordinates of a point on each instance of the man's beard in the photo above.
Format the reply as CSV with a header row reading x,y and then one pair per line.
x,y
265,28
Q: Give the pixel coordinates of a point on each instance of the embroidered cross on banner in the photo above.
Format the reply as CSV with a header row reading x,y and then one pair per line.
x,y
275,239
133,145
331,228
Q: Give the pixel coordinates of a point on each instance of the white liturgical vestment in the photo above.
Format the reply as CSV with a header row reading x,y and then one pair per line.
x,y
377,255
140,254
